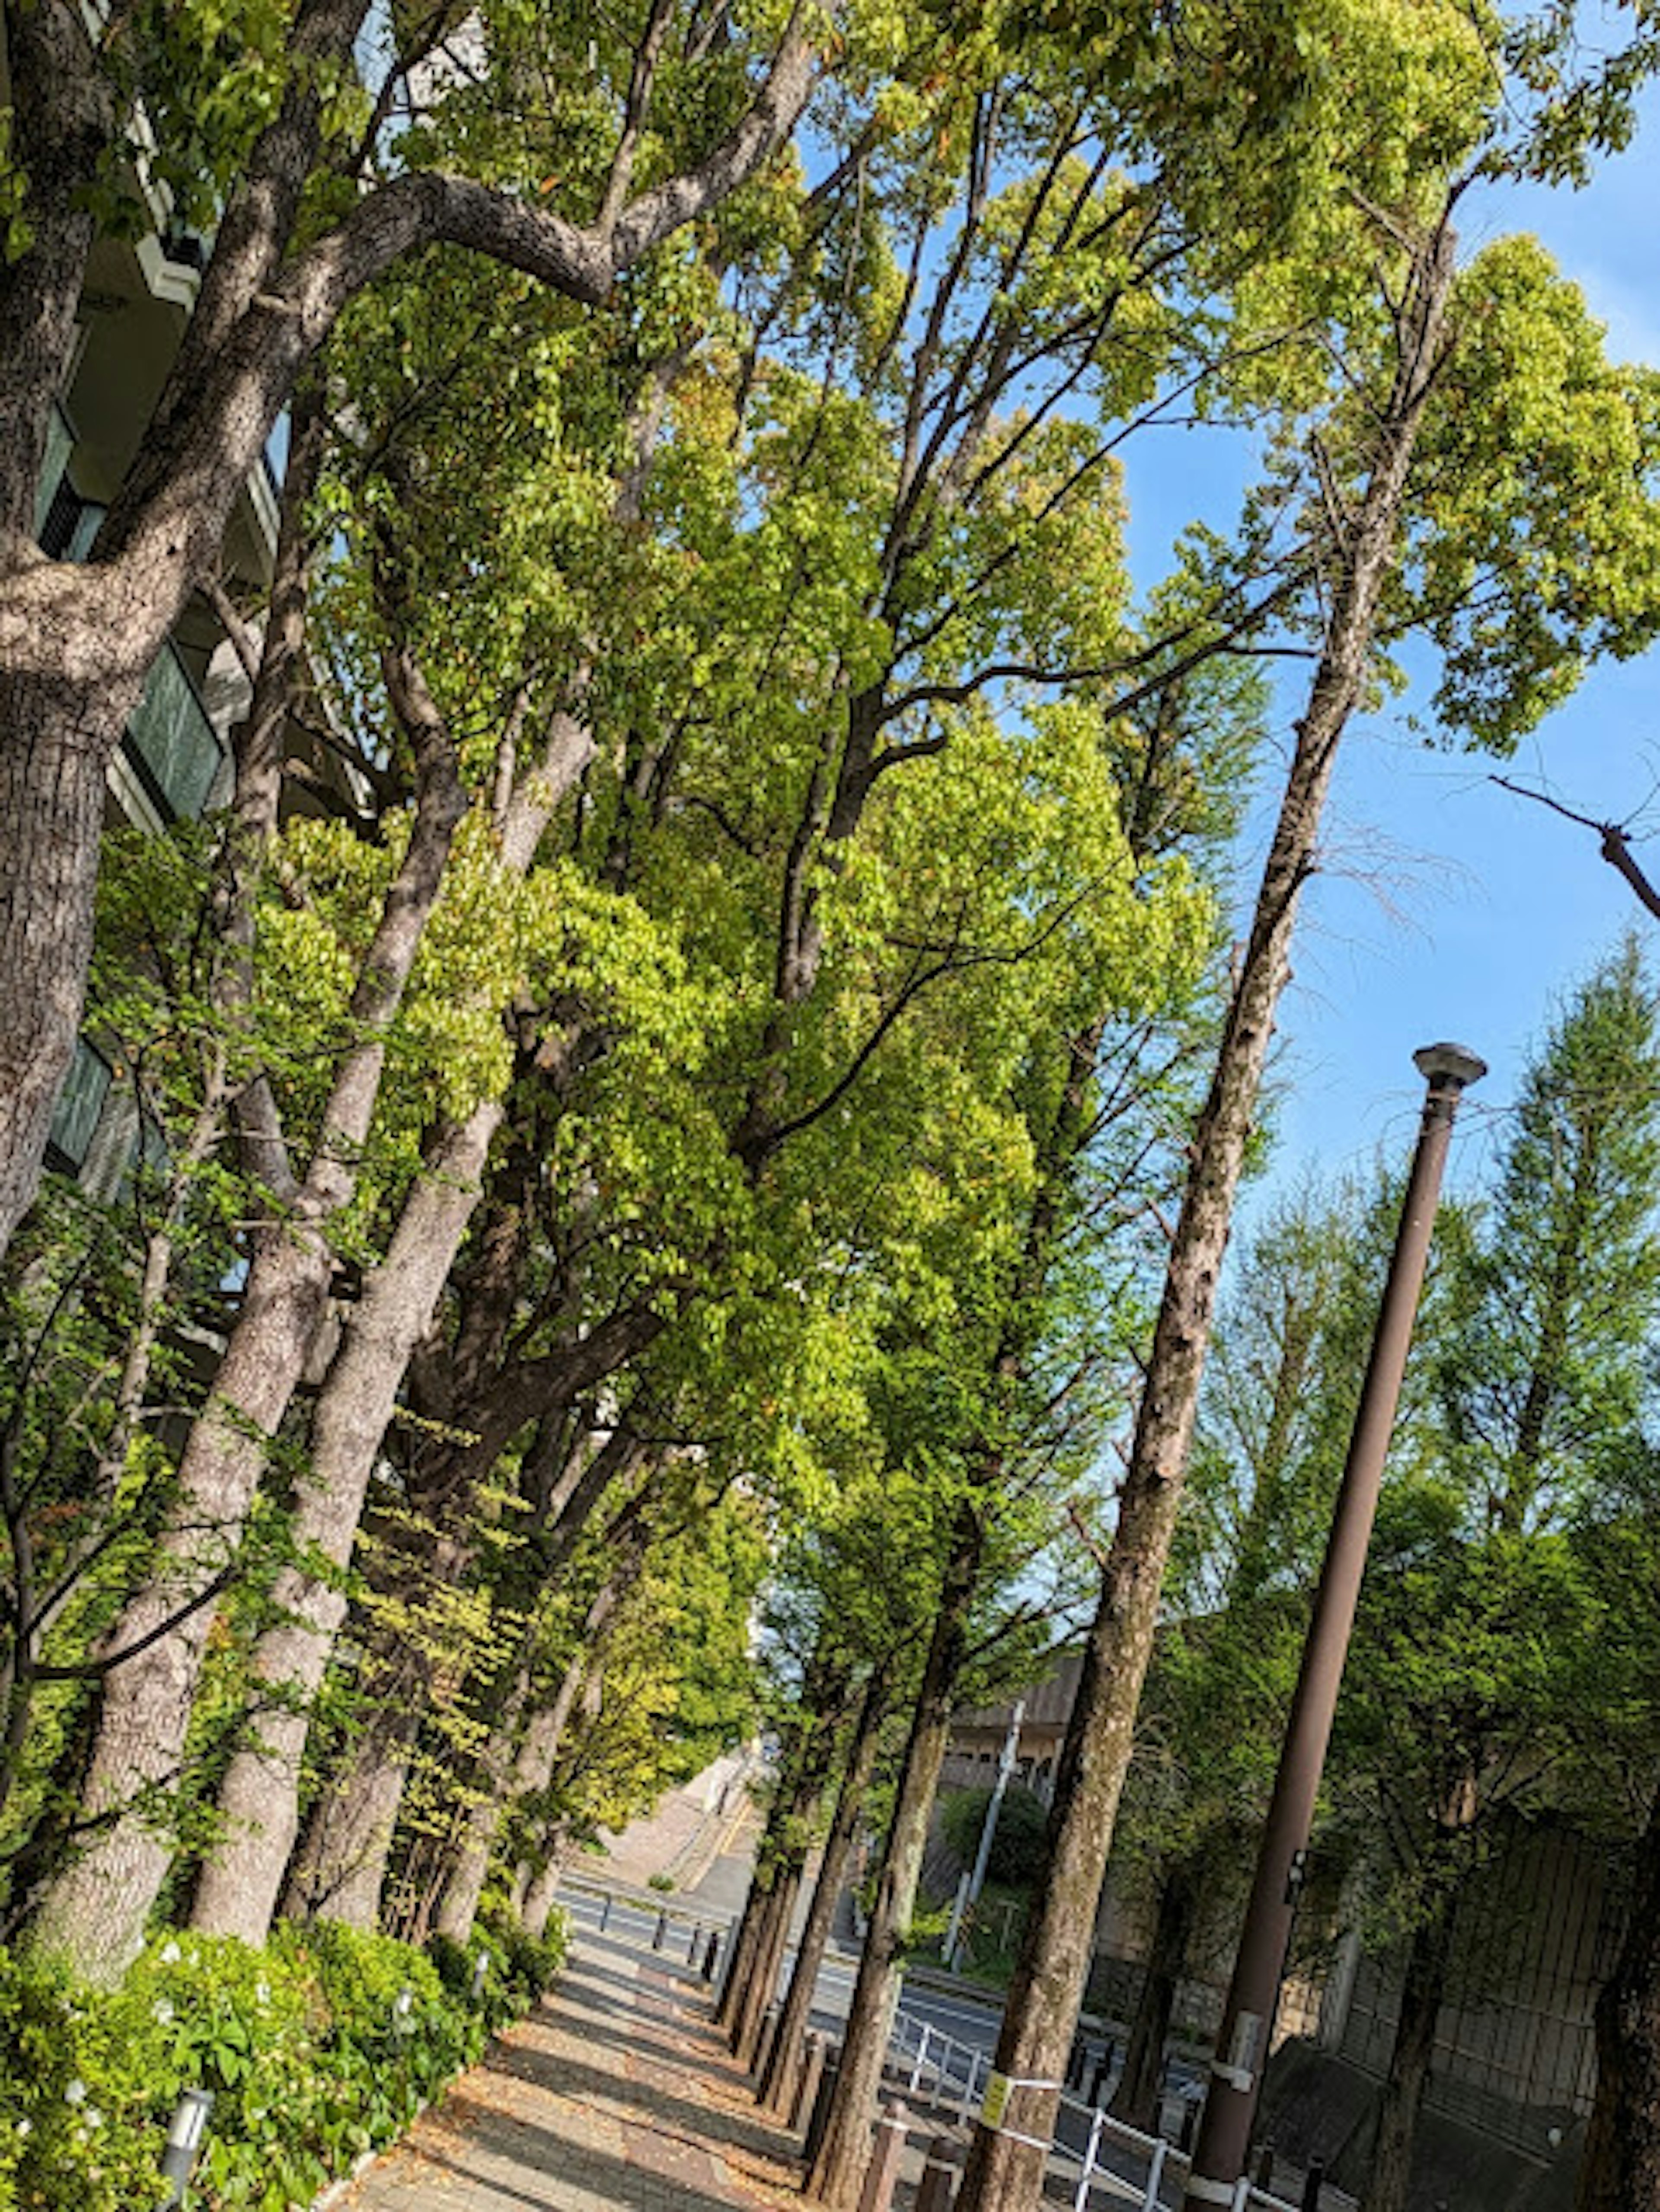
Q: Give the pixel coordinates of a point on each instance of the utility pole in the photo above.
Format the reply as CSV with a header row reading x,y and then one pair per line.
x,y
1242,2054
968,1889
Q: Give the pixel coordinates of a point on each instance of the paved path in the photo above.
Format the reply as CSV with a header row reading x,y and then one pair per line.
x,y
616,2097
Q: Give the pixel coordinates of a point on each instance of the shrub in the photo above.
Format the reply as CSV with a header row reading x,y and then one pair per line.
x,y
1019,1845
530,1964
74,2096
311,2057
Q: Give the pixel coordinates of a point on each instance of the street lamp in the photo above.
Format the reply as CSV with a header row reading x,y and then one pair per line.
x,y
183,2142
1224,2139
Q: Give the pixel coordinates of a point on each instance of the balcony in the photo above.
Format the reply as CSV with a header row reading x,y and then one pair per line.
x,y
171,743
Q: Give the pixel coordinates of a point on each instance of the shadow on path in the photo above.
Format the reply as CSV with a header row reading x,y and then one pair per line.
x,y
617,2095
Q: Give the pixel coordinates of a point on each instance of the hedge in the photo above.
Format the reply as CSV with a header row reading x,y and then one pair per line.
x,y
310,2055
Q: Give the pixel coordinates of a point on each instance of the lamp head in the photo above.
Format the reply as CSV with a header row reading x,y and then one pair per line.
x,y
1443,1064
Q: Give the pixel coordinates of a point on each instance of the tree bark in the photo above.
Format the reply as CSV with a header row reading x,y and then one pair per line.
x,y
1621,2168
1390,2175
778,2082
341,1868
740,1952
1137,2096
52,801
1043,2001
92,1914
837,2169
779,1857
543,1888
518,1763
777,1913
259,1799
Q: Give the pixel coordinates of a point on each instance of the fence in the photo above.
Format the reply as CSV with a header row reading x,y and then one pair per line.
x,y
1116,2164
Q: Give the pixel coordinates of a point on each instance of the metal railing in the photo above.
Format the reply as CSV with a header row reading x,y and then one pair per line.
x,y
1086,2136
954,2075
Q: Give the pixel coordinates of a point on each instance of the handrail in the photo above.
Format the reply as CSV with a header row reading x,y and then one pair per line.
x,y
959,2071
650,1900
933,2052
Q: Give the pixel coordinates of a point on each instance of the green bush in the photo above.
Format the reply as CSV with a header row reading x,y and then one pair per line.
x,y
529,1963
311,2057
73,2097
1019,1845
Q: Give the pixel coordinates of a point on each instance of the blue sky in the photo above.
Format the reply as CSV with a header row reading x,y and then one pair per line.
x,y
1447,907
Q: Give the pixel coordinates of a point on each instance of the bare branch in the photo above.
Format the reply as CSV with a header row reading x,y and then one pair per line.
x,y
1615,843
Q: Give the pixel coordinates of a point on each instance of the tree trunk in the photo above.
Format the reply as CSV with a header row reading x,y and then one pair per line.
x,y
69,675
258,1800
1136,2099
341,1869
843,2152
779,1859
1621,2168
1041,2012
53,758
93,1915
1390,2175
740,1952
543,1888
779,2080
795,1791
517,1764
763,1985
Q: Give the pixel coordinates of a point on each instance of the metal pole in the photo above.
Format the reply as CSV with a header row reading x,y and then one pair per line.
x,y
1155,2176
971,2087
1081,2198
1103,2070
1219,2155
965,1899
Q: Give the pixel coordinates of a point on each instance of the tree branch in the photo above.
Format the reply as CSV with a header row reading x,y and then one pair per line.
x,y
1615,843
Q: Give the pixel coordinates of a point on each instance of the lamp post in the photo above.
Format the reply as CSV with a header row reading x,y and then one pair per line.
x,y
1224,2139
183,2142
968,1889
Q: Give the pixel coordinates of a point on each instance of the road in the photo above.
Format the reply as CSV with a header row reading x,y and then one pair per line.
x,y
969,2018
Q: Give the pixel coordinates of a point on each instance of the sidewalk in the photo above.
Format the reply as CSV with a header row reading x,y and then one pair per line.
x,y
616,2096
685,1832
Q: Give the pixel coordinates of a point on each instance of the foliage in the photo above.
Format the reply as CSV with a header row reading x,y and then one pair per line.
x,y
305,2045
1018,1843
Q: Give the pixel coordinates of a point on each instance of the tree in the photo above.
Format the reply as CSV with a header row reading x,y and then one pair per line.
x,y
1473,1679
315,194
1503,668
1280,1391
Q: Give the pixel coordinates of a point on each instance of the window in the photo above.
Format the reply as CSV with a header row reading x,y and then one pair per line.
x,y
79,1109
171,741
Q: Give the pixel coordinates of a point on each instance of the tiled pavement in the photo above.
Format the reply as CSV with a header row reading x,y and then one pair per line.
x,y
616,2097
